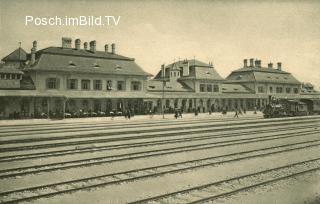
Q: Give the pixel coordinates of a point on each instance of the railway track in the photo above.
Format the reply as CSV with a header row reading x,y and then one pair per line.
x,y
224,188
5,131
36,192
7,173
107,137
182,138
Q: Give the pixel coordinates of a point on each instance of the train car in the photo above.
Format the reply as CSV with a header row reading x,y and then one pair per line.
x,y
313,105
285,108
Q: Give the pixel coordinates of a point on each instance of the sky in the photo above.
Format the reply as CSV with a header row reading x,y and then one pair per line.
x,y
160,32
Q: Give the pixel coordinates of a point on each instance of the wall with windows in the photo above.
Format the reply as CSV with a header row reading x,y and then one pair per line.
x,y
274,89
205,87
78,82
10,81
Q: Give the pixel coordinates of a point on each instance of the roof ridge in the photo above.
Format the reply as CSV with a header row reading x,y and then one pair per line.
x,y
82,53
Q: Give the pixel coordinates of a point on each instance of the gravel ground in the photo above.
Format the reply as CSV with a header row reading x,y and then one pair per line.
x,y
155,186
297,190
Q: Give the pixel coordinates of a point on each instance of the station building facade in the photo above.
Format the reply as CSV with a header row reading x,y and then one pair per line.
x,y
80,79
70,79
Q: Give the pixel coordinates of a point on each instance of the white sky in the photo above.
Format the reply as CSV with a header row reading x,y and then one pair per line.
x,y
157,32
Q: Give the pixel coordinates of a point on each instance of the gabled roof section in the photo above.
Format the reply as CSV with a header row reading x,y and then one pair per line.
x,y
234,88
5,69
156,85
260,69
82,53
197,70
83,61
267,75
17,55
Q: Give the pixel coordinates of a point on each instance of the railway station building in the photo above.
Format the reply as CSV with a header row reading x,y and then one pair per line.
x,y
192,85
77,80
70,79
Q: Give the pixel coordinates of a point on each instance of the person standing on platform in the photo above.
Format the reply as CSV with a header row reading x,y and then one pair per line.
x,y
236,114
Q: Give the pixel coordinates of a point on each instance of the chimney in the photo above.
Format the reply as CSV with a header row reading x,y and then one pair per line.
x,y
251,62
256,63
185,68
113,48
245,63
259,63
93,46
33,52
279,66
77,44
85,45
270,65
66,42
106,48
163,74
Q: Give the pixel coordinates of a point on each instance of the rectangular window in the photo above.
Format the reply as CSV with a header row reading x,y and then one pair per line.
x,y
279,89
72,84
120,85
296,90
202,87
85,84
260,89
209,87
270,89
97,84
13,76
288,90
215,88
136,85
109,85
52,83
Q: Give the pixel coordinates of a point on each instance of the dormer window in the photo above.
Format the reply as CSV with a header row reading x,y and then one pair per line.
x,y
118,67
71,63
96,65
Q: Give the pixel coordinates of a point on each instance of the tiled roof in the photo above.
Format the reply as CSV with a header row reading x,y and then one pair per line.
x,y
198,70
262,75
81,61
261,69
17,55
82,53
206,73
234,88
9,70
157,85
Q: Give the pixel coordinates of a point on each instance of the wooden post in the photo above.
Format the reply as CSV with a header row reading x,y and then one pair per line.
x,y
64,107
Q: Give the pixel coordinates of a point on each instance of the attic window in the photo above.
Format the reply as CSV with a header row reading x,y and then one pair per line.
x,y
95,65
118,67
72,63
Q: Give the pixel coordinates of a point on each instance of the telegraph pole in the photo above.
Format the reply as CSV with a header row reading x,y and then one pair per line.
x,y
163,84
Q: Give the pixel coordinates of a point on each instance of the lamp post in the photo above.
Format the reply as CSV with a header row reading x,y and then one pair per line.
x,y
163,84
